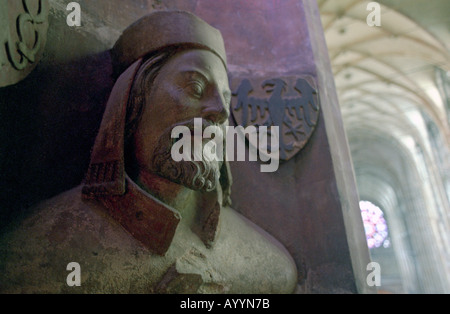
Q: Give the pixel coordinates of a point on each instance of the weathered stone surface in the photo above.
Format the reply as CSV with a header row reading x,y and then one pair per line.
x,y
245,259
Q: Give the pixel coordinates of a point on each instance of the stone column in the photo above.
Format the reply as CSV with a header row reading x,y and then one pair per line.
x,y
311,202
342,163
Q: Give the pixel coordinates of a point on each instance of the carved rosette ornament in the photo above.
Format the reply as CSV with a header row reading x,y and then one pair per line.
x,y
23,33
291,103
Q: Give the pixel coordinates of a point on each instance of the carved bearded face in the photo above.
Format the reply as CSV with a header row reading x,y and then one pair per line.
x,y
191,84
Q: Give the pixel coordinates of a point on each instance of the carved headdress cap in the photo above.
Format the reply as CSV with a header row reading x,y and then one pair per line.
x,y
162,29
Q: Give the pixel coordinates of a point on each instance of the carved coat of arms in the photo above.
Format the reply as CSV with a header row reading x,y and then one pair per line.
x,y
23,33
291,103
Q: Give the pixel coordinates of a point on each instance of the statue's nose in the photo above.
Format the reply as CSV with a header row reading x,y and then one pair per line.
x,y
216,111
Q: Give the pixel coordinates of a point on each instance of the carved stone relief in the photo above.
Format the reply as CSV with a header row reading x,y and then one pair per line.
x,y
23,33
291,103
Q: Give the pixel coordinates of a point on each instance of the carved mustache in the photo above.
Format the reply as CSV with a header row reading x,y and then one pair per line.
x,y
191,126
198,175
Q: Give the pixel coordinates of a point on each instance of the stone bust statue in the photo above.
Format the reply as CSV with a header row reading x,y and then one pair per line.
x,y
141,222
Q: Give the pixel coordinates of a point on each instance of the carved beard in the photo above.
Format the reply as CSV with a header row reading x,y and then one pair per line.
x,y
200,175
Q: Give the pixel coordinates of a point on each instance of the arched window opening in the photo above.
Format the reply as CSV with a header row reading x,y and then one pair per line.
x,y
375,225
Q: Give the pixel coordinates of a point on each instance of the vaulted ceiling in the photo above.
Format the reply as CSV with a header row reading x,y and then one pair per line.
x,y
393,84
388,77
384,74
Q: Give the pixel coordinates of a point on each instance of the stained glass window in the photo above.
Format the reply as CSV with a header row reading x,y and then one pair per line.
x,y
374,225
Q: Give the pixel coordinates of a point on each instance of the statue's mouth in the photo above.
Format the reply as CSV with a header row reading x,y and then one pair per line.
x,y
194,161
198,135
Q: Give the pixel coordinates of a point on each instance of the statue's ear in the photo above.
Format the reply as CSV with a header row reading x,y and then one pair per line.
x,y
226,181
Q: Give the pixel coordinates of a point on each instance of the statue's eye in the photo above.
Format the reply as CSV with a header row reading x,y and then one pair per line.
x,y
196,89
